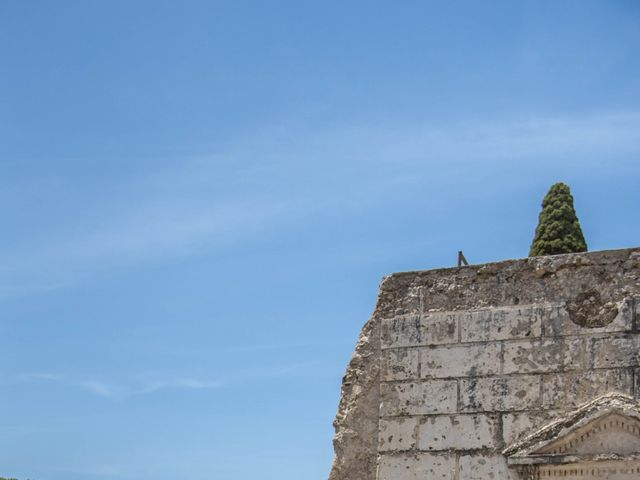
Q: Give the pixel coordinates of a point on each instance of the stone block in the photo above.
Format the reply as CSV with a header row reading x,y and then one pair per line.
x,y
440,327
397,434
485,467
568,390
459,432
401,332
516,425
460,360
501,323
616,352
558,322
549,355
399,364
421,466
491,394
434,328
418,398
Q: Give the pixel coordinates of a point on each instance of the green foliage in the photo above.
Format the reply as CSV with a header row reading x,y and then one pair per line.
x,y
558,226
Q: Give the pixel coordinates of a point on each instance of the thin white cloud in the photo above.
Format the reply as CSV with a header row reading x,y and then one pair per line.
x,y
145,233
174,384
284,175
277,346
95,470
42,376
121,390
99,388
468,141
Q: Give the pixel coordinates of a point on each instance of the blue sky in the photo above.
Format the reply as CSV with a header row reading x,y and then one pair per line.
x,y
200,198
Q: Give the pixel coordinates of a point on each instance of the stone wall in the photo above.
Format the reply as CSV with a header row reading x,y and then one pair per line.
x,y
456,364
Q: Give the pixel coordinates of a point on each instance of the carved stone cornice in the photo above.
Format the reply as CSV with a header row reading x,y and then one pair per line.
x,y
600,439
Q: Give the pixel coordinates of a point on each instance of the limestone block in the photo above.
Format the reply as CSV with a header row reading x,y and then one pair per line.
x,y
612,352
418,398
568,390
399,364
421,466
490,394
435,328
501,323
397,434
440,327
489,467
401,332
460,361
558,322
458,432
515,425
549,355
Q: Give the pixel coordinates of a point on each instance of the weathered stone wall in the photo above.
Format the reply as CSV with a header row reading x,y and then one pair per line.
x,y
456,364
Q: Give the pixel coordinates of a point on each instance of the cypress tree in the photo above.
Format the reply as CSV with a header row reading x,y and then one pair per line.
x,y
558,226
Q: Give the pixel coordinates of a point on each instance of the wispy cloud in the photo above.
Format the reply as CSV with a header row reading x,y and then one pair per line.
x,y
257,347
125,388
443,140
97,470
284,175
124,238
121,390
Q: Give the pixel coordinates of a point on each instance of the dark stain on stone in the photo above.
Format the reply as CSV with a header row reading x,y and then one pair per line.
x,y
588,309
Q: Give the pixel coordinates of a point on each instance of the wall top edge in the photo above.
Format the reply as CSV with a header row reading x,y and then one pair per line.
x,y
597,257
